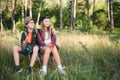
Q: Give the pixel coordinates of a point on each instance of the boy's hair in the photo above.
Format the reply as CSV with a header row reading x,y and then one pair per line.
x,y
27,19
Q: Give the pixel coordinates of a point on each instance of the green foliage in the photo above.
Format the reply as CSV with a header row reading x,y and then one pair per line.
x,y
19,25
99,16
100,19
66,19
84,26
35,8
18,11
6,18
81,10
117,29
53,13
116,14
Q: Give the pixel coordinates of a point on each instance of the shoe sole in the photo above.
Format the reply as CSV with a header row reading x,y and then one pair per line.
x,y
20,71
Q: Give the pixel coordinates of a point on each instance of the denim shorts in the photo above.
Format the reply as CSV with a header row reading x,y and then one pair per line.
x,y
23,50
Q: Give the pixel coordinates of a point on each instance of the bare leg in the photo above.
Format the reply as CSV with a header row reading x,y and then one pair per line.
x,y
16,49
46,54
47,51
56,55
57,59
34,55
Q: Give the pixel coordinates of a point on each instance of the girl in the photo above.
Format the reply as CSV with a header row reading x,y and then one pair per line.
x,y
47,44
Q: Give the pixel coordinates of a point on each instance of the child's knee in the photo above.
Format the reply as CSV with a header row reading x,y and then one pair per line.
x,y
35,48
15,48
48,50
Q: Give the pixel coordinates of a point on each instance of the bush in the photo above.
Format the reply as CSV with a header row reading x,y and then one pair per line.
x,y
100,19
19,26
83,26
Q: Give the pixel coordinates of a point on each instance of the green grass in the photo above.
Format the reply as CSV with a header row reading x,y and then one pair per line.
x,y
86,57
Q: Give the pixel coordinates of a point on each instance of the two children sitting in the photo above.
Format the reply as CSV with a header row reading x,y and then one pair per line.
x,y
43,40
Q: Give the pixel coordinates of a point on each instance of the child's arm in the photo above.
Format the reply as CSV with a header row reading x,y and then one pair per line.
x,y
40,40
24,39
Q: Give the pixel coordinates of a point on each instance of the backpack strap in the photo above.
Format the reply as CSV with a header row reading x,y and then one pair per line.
x,y
36,30
25,33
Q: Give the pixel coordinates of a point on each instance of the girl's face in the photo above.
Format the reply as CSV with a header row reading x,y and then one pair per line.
x,y
46,22
31,24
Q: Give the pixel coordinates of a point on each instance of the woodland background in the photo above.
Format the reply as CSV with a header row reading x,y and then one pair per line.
x,y
88,34
83,15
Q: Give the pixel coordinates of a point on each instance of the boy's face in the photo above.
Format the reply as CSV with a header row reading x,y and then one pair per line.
x,y
30,24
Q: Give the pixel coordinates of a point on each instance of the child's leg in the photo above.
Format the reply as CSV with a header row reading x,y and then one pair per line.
x,y
57,59
34,55
56,55
47,51
46,54
16,50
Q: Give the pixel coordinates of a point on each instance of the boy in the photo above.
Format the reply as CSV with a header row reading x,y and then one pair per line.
x,y
25,46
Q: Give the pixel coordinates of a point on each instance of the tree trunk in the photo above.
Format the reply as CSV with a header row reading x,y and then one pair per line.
x,y
94,5
108,4
30,6
110,14
74,13
1,26
12,15
38,17
23,15
71,20
26,7
60,15
87,11
93,19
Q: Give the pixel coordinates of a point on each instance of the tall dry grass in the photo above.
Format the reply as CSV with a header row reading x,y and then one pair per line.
x,y
86,57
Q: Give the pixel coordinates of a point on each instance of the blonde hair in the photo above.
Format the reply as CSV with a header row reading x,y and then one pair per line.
x,y
49,30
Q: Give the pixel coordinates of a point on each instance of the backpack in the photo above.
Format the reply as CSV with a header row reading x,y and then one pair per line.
x,y
25,32
29,48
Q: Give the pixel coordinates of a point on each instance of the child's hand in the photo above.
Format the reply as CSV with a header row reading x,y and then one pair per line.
x,y
50,45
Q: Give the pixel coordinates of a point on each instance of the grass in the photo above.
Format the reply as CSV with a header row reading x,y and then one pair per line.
x,y
86,57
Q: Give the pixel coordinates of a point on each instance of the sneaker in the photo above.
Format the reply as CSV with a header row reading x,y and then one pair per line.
x,y
18,69
43,72
62,71
29,70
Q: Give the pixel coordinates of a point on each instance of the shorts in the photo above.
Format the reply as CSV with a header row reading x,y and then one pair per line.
x,y
24,50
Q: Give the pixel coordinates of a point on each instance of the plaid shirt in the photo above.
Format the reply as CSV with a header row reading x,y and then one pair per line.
x,y
40,38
